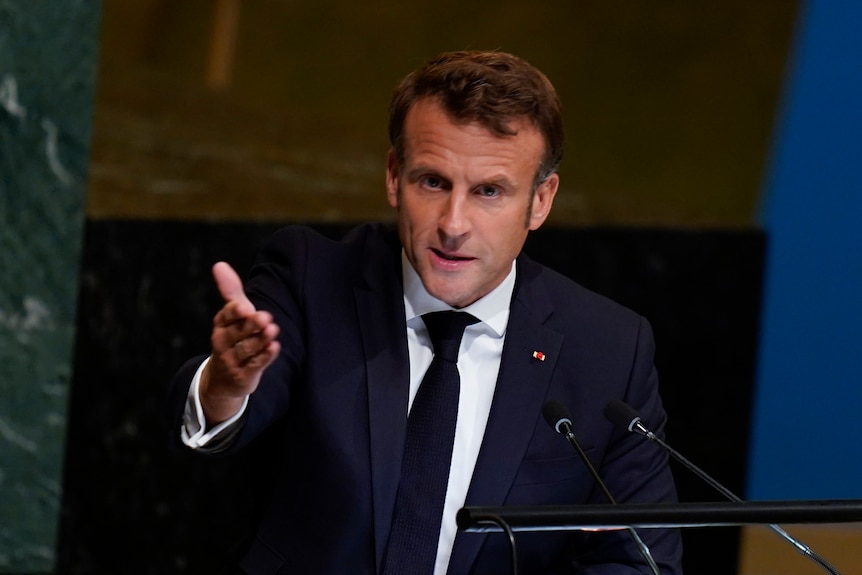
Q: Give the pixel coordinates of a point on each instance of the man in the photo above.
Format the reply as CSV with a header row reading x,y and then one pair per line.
x,y
333,338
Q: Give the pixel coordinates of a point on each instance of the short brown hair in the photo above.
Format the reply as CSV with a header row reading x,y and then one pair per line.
x,y
492,88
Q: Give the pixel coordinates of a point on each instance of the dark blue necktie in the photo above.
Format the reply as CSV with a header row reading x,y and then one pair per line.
x,y
412,547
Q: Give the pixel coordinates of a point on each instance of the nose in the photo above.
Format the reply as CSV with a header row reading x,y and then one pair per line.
x,y
454,219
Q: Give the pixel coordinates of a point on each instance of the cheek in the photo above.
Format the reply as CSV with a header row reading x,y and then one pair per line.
x,y
510,243
414,215
409,227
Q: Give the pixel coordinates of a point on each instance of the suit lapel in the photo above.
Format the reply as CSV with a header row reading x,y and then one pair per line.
x,y
522,384
380,307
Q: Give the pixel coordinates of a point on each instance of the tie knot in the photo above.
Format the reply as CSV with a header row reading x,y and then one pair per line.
x,y
445,329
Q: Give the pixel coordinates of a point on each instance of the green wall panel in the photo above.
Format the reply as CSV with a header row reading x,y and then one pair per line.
x,y
48,52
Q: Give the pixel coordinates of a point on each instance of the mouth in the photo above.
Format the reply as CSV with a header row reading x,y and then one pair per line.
x,y
449,260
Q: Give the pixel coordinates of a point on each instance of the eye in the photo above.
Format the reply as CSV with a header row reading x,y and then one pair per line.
x,y
488,191
431,182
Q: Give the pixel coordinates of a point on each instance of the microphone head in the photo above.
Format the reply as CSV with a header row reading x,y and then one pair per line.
x,y
621,413
556,414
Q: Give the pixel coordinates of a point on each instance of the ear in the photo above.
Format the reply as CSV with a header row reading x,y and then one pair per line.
x,y
543,199
392,179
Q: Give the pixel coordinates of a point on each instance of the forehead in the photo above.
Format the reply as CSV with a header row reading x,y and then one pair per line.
x,y
429,130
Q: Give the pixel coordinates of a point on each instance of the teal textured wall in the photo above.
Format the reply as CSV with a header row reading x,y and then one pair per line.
x,y
48,52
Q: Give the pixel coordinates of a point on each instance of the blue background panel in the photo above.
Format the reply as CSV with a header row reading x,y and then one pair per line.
x,y
805,429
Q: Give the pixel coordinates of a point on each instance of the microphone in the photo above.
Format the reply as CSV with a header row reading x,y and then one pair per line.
x,y
558,417
622,414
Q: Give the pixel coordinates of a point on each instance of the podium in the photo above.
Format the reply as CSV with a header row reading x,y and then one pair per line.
x,y
659,515
606,517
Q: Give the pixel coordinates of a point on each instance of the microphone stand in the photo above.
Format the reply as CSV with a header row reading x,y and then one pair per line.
x,y
637,426
494,519
634,535
620,413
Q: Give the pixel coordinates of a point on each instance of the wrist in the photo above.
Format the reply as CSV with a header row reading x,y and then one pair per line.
x,y
217,405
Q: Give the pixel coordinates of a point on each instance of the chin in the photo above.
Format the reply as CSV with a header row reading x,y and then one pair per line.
x,y
455,300
446,296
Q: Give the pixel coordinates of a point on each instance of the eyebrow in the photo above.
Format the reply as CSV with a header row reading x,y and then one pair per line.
x,y
420,170
417,171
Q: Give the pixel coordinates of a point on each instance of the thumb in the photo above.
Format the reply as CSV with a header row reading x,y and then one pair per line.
x,y
229,283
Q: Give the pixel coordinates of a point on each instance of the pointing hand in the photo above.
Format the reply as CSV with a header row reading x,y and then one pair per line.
x,y
244,344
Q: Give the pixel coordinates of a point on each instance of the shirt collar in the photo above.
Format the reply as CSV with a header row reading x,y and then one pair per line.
x,y
491,309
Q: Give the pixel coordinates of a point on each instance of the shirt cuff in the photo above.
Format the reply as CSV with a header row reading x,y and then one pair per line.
x,y
194,432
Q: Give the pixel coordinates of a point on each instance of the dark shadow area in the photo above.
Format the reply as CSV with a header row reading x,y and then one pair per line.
x,y
146,303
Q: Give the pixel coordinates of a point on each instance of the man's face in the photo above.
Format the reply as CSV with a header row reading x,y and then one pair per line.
x,y
464,200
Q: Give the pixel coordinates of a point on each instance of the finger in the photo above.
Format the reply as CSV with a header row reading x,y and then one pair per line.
x,y
262,358
257,322
250,363
265,357
235,315
234,325
253,344
229,283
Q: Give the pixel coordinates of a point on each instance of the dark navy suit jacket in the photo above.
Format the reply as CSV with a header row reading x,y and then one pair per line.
x,y
342,383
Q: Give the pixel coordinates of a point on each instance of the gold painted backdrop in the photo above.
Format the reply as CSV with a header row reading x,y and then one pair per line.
x,y
276,110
